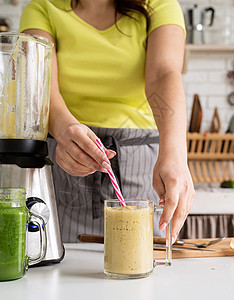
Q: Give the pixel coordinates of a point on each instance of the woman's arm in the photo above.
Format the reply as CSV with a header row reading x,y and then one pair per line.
x,y
165,93
76,152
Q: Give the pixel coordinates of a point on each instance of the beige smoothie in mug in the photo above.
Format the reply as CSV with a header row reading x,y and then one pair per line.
x,y
128,239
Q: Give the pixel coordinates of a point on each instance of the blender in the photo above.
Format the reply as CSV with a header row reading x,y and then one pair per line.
x,y
25,71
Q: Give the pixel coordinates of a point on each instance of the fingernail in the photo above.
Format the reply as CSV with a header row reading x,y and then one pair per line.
x,y
104,170
173,239
161,201
106,165
112,151
111,154
162,226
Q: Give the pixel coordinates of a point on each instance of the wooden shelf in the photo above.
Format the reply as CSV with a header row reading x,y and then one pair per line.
x,y
210,48
206,49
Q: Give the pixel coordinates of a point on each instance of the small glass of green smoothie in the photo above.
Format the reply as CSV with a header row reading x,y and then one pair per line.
x,y
14,218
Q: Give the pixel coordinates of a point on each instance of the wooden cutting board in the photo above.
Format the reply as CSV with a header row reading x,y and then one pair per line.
x,y
196,115
222,248
215,123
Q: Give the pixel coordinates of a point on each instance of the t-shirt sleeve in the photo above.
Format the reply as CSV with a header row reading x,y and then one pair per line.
x,y
165,12
35,16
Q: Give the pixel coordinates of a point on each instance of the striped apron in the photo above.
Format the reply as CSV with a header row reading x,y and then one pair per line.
x,y
80,199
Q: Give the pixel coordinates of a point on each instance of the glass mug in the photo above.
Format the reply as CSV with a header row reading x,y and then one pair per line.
x,y
128,239
14,219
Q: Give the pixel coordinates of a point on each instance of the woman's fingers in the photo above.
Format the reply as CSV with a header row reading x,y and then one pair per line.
x,y
81,167
110,153
74,168
78,154
71,167
180,218
184,205
171,202
80,143
180,213
178,201
159,186
188,201
85,139
92,149
83,158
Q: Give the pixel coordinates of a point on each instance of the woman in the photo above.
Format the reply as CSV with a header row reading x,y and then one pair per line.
x,y
116,70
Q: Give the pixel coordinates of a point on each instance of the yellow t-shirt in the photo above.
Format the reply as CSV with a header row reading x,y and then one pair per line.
x,y
102,73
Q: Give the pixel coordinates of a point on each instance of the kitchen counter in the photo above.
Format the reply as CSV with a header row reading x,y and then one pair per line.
x,y
80,276
213,201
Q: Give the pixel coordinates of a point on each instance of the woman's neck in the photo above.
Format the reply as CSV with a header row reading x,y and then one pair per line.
x,y
98,13
94,5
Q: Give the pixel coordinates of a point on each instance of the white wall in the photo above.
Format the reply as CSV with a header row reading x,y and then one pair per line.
x,y
206,74
11,10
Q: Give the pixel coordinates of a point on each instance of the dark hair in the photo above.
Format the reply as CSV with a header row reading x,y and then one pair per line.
x,y
126,7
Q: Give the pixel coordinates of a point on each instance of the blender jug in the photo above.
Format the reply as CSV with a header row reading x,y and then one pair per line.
x,y
25,66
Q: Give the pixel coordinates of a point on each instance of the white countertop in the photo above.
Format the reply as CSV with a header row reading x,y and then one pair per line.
x,y
213,201
80,276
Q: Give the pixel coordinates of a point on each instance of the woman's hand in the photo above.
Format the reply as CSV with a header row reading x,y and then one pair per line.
x,y
173,183
77,153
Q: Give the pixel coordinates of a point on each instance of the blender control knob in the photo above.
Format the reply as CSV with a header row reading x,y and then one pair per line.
x,y
38,207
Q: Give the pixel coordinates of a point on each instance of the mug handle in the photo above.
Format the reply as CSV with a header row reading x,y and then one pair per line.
x,y
168,257
43,239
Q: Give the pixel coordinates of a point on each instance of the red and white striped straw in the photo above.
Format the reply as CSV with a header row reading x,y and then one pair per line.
x,y
112,176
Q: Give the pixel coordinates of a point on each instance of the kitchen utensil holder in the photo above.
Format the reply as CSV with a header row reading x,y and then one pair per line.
x,y
211,156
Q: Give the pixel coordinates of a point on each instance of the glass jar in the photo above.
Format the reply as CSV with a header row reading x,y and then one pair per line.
x,y
14,219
